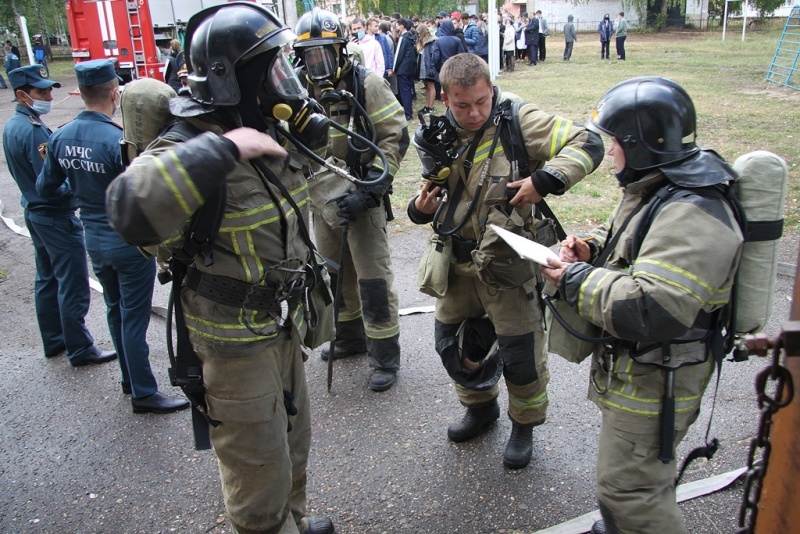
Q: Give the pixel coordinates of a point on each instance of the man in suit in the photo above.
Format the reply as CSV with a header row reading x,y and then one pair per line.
x,y
405,63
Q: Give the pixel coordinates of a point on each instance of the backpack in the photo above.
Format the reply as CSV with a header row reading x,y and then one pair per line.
x,y
756,198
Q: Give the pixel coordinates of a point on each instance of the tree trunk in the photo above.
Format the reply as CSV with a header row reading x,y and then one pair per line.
x,y
43,28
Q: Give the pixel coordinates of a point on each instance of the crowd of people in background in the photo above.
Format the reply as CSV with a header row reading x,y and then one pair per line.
x,y
523,38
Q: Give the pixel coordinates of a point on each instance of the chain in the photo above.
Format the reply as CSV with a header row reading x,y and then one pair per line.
x,y
761,446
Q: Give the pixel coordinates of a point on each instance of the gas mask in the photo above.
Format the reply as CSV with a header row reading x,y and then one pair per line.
x,y
435,144
282,97
322,69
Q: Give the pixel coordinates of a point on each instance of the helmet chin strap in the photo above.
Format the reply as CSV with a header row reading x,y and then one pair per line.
x,y
250,77
629,176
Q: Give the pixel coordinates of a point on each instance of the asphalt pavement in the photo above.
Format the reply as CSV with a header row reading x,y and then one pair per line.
x,y
75,459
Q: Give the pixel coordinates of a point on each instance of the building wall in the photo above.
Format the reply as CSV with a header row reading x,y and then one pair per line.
x,y
588,16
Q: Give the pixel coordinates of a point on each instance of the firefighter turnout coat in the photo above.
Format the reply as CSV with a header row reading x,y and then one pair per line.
x,y
565,150
250,362
683,272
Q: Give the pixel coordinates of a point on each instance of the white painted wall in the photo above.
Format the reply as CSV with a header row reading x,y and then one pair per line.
x,y
588,16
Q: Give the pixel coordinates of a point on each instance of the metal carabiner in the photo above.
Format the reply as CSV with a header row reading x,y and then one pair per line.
x,y
610,352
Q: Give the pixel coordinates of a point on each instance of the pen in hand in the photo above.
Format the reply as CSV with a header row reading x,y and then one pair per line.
x,y
581,239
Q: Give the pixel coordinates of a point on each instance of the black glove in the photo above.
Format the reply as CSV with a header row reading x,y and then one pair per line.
x,y
291,409
354,204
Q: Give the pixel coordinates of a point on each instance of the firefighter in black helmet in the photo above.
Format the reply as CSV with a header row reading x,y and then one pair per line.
x,y
242,302
368,316
656,279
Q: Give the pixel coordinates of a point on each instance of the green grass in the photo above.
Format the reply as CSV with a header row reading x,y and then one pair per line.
x,y
738,111
61,68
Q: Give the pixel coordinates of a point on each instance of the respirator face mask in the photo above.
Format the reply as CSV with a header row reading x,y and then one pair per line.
x,y
322,68
434,142
282,96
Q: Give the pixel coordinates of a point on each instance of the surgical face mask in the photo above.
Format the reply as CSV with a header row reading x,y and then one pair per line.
x,y
360,34
41,107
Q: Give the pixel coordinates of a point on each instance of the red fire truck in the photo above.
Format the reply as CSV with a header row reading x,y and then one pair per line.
x,y
122,30
116,29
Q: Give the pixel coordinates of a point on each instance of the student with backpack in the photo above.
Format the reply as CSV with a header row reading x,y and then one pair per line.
x,y
657,292
40,52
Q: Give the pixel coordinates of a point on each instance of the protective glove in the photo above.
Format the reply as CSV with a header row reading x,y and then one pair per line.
x,y
354,204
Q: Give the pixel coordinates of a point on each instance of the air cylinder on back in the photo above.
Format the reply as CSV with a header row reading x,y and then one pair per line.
x,y
761,190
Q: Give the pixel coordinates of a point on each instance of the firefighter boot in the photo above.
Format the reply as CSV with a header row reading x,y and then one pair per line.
x,y
599,527
384,357
477,418
520,446
351,340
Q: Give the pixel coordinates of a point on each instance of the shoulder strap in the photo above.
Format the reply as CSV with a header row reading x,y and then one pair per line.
x,y
185,369
261,165
612,242
514,145
206,221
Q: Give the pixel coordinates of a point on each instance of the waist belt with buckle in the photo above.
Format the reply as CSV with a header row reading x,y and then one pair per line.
x,y
232,292
462,249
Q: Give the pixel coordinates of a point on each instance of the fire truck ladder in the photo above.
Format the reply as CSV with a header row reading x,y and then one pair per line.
x,y
137,40
785,69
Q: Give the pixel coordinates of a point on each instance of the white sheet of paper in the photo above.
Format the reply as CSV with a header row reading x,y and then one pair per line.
x,y
525,247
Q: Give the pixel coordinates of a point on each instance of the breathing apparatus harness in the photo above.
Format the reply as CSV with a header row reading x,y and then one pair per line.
x,y
716,329
360,131
435,144
186,370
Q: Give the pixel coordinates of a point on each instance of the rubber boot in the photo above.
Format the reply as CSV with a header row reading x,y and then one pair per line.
x,y
317,525
599,527
520,446
384,357
351,340
477,418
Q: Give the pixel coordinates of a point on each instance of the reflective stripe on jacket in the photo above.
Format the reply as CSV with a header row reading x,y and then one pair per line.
x,y
686,265
157,195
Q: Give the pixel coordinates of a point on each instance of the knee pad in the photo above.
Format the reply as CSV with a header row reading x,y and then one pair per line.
x,y
374,300
519,362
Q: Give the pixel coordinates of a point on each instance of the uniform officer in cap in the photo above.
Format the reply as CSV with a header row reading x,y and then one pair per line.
x,y
62,279
87,153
